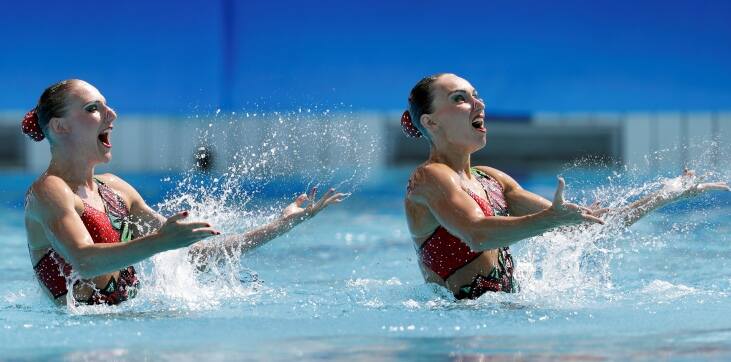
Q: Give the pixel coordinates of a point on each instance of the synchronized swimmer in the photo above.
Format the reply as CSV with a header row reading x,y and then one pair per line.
x,y
85,230
462,218
88,228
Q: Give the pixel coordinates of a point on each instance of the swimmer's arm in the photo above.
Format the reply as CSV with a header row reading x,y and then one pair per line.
x,y
292,215
53,207
633,212
239,244
520,201
144,219
440,191
630,214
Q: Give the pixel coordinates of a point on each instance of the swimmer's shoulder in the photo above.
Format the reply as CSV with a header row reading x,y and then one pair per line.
x,y
422,184
51,190
507,182
50,193
429,178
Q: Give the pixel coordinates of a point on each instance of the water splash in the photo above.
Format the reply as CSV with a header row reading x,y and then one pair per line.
x,y
263,160
576,265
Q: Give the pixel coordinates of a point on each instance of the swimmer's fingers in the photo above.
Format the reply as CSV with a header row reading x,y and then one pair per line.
x,y
558,197
313,194
179,216
689,177
205,232
339,197
596,209
688,173
197,228
700,188
580,213
591,218
596,205
599,212
176,234
202,233
300,200
334,199
713,186
195,225
322,201
573,207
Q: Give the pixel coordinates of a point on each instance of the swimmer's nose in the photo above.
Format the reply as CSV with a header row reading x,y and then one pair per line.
x,y
111,115
478,104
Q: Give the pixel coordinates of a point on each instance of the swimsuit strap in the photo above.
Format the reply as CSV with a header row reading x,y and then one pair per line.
x,y
493,190
116,210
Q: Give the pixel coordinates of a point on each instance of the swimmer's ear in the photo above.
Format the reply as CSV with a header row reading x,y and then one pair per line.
x,y
58,125
428,122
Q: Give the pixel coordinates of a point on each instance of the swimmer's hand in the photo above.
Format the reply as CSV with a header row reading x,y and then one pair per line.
x,y
567,213
176,233
692,185
306,206
596,209
303,207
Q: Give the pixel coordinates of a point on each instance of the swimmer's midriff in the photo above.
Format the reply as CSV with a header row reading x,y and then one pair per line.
x,y
104,227
445,253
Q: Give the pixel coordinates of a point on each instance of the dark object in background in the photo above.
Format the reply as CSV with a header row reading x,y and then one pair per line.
x,y
204,158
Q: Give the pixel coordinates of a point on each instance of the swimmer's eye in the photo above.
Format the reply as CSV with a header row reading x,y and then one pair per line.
x,y
92,108
458,98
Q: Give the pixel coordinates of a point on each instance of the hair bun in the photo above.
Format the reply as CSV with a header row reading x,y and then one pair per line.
x,y
408,126
31,127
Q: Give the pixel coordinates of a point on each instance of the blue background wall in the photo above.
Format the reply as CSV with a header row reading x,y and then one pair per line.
x,y
165,56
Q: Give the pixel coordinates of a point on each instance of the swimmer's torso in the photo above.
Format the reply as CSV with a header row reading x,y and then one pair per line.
x,y
92,209
424,227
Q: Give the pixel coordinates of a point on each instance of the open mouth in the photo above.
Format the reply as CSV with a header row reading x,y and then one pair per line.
x,y
479,124
104,138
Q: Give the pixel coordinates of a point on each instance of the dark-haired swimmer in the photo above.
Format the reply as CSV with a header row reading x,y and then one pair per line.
x,y
86,230
463,218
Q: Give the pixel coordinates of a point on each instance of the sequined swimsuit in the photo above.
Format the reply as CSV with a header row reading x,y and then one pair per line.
x,y
109,226
445,253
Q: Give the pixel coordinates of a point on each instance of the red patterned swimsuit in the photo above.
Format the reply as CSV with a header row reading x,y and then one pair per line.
x,y
104,227
445,253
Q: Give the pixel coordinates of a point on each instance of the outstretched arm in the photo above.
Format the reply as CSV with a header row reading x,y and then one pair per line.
x,y
291,216
682,187
438,187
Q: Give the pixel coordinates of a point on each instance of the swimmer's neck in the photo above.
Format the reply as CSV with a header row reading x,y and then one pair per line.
x,y
76,172
458,161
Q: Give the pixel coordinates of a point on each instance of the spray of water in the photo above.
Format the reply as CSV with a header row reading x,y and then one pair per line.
x,y
573,265
262,161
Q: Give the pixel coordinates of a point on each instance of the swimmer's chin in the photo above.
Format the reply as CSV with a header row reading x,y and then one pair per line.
x,y
106,156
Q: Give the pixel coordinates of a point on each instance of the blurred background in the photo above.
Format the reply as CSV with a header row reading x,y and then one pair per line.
x,y
610,80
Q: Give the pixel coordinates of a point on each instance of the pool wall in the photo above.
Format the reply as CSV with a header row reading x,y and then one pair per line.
x,y
154,143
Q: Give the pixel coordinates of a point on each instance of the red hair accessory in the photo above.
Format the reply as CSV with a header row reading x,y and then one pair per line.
x,y
408,126
31,127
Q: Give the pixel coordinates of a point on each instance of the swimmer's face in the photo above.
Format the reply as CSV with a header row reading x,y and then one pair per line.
x,y
87,124
458,117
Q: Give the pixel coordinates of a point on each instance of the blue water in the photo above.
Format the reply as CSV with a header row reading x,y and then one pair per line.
x,y
345,285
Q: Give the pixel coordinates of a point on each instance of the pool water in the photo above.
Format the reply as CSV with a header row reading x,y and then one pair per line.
x,y
345,285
